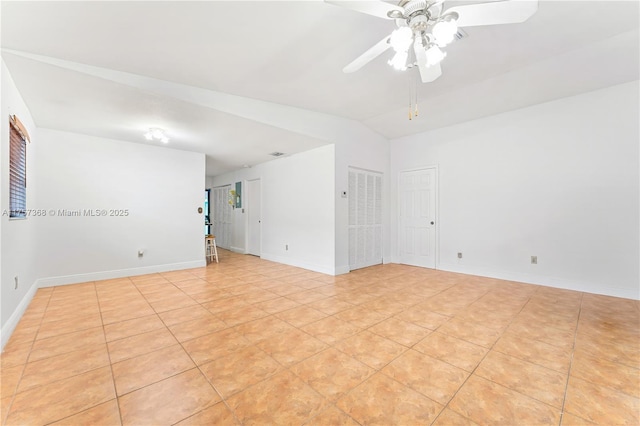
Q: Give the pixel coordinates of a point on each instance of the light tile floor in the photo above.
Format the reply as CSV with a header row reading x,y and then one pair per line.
x,y
248,341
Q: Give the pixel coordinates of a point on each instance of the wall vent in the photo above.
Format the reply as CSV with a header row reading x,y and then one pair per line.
x,y
460,34
277,154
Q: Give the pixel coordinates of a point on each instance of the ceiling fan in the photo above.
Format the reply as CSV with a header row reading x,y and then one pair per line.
x,y
428,27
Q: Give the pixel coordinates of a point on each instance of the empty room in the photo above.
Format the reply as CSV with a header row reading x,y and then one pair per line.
x,y
320,212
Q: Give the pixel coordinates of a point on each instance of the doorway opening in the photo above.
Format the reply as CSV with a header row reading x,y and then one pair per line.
x,y
207,212
222,214
254,217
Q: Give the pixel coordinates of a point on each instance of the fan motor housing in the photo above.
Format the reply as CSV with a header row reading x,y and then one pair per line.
x,y
414,6
419,23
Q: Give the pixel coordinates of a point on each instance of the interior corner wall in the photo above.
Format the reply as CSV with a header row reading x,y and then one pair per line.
x,y
559,181
107,200
370,154
297,209
18,239
208,182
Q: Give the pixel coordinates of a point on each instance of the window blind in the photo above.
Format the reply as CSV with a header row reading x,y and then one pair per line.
x,y
17,172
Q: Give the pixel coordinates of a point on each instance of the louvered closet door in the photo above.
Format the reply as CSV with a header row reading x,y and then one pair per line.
x,y
365,218
222,213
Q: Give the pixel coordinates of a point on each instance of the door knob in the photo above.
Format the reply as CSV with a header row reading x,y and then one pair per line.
x,y
432,222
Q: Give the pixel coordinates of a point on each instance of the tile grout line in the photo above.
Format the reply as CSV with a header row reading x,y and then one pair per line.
x,y
379,370
102,322
222,398
113,377
26,362
285,368
573,351
478,364
178,343
377,293
97,368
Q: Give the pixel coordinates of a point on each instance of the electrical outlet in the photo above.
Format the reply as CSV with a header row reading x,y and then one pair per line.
x,y
459,255
15,279
534,260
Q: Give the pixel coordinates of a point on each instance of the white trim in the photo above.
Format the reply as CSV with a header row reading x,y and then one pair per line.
x,y
118,273
238,250
365,265
342,270
304,265
16,316
366,170
246,216
380,261
523,277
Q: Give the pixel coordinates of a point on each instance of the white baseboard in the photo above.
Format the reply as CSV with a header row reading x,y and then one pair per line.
x,y
118,273
238,250
342,270
14,319
588,287
300,264
390,259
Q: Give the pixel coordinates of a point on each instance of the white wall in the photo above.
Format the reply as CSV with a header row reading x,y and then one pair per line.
x,y
297,206
161,189
208,182
558,180
370,154
18,236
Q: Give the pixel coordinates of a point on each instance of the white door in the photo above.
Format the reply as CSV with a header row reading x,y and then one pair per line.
x,y
365,218
417,221
253,217
222,213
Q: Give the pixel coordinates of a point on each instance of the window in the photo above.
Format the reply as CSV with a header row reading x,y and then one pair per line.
x,y
17,168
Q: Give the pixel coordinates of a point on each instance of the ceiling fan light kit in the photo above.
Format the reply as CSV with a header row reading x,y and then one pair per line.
x,y
157,134
401,39
426,25
434,55
445,29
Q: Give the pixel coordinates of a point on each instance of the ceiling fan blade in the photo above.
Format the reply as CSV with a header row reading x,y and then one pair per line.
x,y
427,74
375,51
499,12
370,7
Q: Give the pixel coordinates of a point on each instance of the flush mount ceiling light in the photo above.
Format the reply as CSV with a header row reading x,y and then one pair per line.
x,y
426,25
156,134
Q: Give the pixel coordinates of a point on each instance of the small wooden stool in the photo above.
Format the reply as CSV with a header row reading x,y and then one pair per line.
x,y
210,247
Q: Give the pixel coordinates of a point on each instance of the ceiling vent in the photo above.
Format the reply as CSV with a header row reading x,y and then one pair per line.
x,y
277,154
460,34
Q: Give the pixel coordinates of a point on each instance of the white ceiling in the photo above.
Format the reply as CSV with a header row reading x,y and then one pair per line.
x,y
290,53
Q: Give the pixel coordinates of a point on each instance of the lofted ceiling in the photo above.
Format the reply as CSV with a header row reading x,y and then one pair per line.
x,y
289,54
